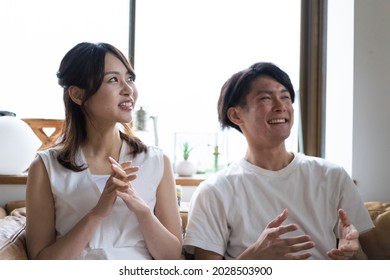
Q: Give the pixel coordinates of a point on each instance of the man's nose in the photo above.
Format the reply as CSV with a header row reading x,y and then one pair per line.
x,y
279,105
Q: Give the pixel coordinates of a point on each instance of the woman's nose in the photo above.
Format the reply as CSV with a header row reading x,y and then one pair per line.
x,y
127,89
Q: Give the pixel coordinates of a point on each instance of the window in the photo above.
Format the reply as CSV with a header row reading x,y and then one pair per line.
x,y
186,50
36,35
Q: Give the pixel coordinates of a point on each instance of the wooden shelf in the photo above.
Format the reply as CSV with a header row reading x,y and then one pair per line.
x,y
189,181
22,180
13,180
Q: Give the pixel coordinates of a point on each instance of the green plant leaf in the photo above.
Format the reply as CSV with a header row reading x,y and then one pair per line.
x,y
186,150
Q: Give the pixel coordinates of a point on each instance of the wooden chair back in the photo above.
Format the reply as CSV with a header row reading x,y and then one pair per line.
x,y
41,127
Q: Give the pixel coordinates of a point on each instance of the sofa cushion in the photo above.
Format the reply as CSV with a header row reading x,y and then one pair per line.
x,y
376,243
10,206
12,236
3,213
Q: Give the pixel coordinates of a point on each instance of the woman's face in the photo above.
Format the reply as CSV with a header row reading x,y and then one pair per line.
x,y
115,99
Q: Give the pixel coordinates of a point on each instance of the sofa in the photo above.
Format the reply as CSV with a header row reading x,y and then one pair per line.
x,y
12,231
376,243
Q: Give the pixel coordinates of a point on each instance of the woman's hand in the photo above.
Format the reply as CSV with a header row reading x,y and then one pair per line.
x,y
117,183
125,173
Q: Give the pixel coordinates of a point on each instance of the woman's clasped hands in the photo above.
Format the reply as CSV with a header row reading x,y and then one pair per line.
x,y
119,185
122,176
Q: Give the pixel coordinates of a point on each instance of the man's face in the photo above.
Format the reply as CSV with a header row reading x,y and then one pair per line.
x,y
268,115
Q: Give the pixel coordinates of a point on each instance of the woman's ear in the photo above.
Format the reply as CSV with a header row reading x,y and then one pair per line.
x,y
76,94
234,115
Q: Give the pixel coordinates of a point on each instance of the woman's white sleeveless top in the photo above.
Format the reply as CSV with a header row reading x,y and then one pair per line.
x,y
76,193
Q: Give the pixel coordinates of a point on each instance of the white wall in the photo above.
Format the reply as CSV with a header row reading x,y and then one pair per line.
x,y
339,83
371,119
11,193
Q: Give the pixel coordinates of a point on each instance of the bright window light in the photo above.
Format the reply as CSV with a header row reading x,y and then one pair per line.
x,y
36,35
186,50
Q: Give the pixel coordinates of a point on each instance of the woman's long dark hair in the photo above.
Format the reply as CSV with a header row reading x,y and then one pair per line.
x,y
83,66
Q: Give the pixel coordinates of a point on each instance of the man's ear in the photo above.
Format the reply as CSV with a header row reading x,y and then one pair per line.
x,y
76,94
234,115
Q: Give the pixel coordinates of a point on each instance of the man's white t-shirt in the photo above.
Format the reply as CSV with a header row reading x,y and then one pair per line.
x,y
230,210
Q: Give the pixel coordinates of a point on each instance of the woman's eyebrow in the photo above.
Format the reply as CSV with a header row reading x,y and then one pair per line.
x,y
111,72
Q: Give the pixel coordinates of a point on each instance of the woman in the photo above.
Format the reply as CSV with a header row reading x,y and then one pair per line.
x,y
101,193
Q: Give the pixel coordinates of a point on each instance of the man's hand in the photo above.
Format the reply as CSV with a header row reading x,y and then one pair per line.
x,y
349,246
270,245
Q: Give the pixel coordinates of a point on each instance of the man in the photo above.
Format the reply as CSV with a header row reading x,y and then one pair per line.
x,y
273,204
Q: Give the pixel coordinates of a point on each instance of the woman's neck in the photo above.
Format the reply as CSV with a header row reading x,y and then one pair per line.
x,y
100,145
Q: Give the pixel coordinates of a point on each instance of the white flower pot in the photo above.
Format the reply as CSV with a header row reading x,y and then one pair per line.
x,y
185,168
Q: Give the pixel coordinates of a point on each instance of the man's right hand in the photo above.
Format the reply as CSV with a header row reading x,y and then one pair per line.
x,y
271,246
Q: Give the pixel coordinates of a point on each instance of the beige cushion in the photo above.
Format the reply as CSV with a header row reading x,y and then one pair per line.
x,y
12,236
10,206
3,213
376,243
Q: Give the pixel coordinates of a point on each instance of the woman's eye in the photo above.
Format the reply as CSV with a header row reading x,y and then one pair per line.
x,y
131,78
113,79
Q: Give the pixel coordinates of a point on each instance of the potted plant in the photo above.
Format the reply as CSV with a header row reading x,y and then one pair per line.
x,y
185,167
